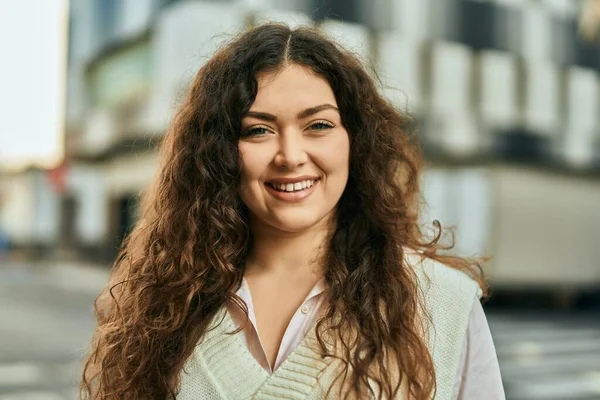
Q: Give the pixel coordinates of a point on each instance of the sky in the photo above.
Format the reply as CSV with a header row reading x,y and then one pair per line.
x,y
32,81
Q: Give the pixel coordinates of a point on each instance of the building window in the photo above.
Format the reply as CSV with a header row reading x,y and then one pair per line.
x,y
343,10
122,76
483,25
107,12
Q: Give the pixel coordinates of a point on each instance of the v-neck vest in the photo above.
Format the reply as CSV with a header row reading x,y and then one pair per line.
x,y
222,368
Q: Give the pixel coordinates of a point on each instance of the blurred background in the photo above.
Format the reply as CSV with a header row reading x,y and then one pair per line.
x,y
507,96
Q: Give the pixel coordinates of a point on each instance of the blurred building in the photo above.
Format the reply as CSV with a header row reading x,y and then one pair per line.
x,y
506,94
29,212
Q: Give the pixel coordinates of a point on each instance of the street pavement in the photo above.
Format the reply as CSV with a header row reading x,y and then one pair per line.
x,y
46,322
549,356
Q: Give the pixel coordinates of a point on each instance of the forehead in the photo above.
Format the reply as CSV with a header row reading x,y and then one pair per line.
x,y
293,87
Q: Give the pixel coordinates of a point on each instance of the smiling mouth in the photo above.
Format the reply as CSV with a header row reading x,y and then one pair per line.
x,y
293,187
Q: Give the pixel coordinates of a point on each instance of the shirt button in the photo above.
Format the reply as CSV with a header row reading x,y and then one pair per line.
x,y
304,310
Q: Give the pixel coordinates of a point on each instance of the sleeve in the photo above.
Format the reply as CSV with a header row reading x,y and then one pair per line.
x,y
478,375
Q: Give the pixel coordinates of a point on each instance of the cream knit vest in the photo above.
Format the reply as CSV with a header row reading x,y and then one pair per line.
x,y
223,368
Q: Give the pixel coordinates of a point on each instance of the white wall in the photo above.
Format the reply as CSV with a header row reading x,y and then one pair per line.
x,y
291,18
412,18
30,211
46,226
87,185
353,37
130,173
17,212
536,39
461,198
185,35
401,69
79,51
498,85
540,228
546,228
98,132
582,116
451,98
134,16
542,97
451,80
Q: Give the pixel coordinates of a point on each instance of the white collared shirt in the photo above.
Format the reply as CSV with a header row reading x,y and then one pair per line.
x,y
478,375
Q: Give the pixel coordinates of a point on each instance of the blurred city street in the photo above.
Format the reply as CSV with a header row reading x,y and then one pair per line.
x,y
47,321
548,356
504,94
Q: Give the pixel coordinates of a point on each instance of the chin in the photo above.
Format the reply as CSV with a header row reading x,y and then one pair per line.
x,y
297,222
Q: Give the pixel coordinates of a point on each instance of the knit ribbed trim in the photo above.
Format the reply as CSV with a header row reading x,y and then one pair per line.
x,y
231,366
298,375
239,376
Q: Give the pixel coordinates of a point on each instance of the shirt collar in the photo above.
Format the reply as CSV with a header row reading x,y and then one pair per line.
x,y
244,291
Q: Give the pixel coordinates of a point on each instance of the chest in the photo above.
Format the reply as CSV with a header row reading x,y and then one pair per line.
x,y
274,308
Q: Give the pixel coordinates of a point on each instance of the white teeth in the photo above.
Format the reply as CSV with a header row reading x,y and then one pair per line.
x,y
291,187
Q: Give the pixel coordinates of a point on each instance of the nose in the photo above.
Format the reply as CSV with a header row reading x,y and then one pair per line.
x,y
292,151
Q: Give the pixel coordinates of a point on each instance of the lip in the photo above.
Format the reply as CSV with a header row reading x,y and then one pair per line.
x,y
292,197
294,180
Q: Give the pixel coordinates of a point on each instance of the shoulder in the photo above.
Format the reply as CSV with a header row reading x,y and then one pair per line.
x,y
437,279
448,296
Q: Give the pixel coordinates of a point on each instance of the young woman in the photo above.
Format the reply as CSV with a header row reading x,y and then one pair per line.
x,y
279,254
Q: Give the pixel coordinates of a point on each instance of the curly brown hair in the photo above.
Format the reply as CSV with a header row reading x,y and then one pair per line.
x,y
186,257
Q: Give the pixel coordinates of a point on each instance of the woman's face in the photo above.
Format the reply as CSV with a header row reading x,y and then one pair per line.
x,y
295,152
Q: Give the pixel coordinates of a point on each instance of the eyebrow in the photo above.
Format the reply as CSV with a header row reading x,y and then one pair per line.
x,y
301,115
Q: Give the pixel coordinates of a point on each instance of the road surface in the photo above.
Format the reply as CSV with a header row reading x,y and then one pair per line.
x,y
46,322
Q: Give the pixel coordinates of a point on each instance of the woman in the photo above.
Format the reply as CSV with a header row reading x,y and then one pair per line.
x,y
278,255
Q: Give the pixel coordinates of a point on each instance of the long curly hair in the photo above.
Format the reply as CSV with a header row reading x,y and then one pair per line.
x,y
185,258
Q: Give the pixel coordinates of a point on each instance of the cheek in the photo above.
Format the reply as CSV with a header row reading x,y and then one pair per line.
x,y
254,161
251,162
337,155
248,189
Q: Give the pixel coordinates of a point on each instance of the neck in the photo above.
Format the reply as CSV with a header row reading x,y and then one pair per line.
x,y
277,252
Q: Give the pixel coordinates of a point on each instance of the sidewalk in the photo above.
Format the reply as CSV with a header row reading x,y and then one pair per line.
x,y
69,275
79,276
47,314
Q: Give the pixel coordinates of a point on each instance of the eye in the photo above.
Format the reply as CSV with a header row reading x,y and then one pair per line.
x,y
255,131
321,126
